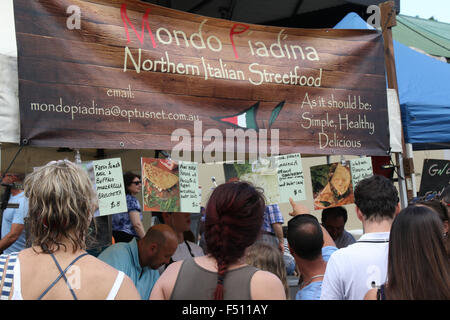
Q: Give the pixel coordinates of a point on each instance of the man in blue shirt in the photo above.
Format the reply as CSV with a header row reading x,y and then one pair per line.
x,y
140,259
311,246
13,231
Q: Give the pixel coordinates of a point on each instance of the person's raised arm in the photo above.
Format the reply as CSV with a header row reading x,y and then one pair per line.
x,y
301,209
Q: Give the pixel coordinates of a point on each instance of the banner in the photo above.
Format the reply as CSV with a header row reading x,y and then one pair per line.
x,y
127,74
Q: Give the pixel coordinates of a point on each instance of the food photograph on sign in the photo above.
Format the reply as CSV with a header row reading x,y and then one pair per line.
x,y
261,173
332,185
161,188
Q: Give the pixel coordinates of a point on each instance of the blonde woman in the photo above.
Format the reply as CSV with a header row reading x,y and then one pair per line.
x,y
61,205
268,258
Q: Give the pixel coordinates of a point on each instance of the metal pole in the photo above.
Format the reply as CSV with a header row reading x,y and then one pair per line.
x,y
401,181
410,154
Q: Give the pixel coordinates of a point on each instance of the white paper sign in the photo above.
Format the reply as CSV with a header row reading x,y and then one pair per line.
x,y
360,168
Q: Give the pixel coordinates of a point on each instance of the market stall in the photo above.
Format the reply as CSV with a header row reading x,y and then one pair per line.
x,y
136,76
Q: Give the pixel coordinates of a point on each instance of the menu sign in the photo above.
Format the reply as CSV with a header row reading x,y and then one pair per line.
x,y
107,178
190,197
435,176
170,186
290,177
361,169
279,177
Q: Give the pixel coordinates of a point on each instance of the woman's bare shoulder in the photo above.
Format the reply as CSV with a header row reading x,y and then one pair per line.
x,y
266,286
162,290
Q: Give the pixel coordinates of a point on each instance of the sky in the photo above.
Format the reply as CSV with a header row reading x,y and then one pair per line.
x,y
439,9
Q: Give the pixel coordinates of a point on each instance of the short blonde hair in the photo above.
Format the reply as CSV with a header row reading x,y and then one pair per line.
x,y
62,201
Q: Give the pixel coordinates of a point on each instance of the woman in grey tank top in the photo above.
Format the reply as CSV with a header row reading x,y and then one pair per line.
x,y
234,217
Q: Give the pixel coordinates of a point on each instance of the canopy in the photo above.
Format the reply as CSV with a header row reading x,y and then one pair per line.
x,y
424,93
433,37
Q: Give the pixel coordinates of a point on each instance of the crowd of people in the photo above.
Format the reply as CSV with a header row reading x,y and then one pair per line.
x,y
238,252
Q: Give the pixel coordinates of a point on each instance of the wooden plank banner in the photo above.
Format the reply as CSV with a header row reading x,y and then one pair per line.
x,y
128,74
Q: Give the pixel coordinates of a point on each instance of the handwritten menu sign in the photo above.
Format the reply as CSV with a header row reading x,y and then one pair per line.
x,y
435,176
360,168
290,177
280,177
190,197
110,187
106,176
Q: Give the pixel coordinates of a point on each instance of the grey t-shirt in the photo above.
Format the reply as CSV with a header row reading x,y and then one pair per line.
x,y
183,253
196,283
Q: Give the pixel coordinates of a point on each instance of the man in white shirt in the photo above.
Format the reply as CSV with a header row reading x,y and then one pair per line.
x,y
354,270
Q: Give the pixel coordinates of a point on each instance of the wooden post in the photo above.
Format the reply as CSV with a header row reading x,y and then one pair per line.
x,y
388,20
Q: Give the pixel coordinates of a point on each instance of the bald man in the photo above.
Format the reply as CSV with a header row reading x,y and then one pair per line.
x,y
141,259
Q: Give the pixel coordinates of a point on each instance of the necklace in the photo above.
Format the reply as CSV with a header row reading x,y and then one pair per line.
x,y
310,280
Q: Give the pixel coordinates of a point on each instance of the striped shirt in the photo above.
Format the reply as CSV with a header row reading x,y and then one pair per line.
x,y
272,214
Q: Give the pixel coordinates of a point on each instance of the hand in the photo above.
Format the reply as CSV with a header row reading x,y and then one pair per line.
x,y
281,246
297,208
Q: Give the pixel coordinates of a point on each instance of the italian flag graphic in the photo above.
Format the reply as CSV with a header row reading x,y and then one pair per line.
x,y
245,119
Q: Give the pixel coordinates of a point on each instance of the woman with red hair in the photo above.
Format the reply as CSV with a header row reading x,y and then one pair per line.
x,y
234,216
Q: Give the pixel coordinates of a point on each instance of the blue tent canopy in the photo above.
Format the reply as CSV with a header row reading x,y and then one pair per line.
x,y
424,92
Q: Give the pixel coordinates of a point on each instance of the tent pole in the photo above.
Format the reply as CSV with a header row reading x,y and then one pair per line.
x,y
409,154
388,20
401,180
